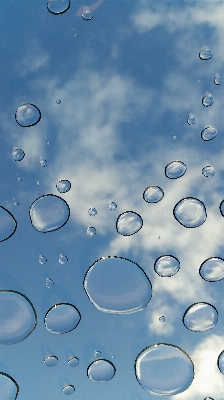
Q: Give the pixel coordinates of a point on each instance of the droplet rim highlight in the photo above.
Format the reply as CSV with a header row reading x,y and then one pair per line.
x,y
2,240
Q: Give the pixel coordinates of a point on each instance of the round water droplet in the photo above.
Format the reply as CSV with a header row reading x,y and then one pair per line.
x,y
97,353
9,387
164,369
62,259
175,169
162,318
58,101
208,133
27,115
87,14
101,371
18,154
117,285
208,171
75,35
68,389
190,212
153,194
50,361
92,211
112,206
42,259
43,163
212,269
208,100
17,317
8,224
129,223
49,283
62,318
73,362
166,266
91,231
220,362
200,317
15,203
63,186
58,6
49,213
218,79
174,138
191,119
205,53
19,179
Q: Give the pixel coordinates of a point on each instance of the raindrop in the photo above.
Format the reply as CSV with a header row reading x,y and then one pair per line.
x,y
153,194
38,183
159,237
158,367
75,35
87,14
18,154
175,169
218,79
42,259
129,223
8,224
117,285
167,266
58,101
208,133
17,317
19,179
58,6
200,317
205,53
9,387
101,371
48,143
49,213
97,353
174,138
112,206
49,283
73,362
191,119
27,115
63,186
162,318
92,211
220,362
62,259
15,202
62,318
50,361
208,171
43,162
208,100
212,269
91,231
68,389
190,212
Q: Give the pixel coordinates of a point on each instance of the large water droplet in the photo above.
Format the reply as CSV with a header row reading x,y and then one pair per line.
x,y
205,53
200,317
17,317
42,259
58,6
62,318
63,186
191,119
153,194
73,362
9,387
92,211
190,212
49,213
220,362
218,79
112,206
117,285
101,371
209,133
50,361
8,224
166,266
175,169
62,259
164,369
208,100
68,389
212,269
91,231
129,223
18,154
208,171
49,283
87,14
27,115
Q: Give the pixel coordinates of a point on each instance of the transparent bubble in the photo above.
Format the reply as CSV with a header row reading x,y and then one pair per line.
x,y
200,317
191,119
91,231
220,362
205,53
68,389
18,154
27,115
92,211
208,100
58,6
167,265
208,133
50,361
9,387
129,223
175,169
212,269
117,285
112,206
17,317
190,212
63,186
62,259
8,224
153,194
58,101
162,318
49,283
42,259
217,79
62,318
73,362
101,371
164,369
208,171
49,213
87,14
43,162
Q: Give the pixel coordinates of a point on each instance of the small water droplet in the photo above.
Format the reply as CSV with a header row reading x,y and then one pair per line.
x,y
191,119
162,318
62,259
48,143
208,171
43,162
15,202
208,133
112,206
38,183
91,231
159,237
217,79
68,389
63,186
87,14
18,154
97,354
200,317
58,101
42,259
50,361
49,283
221,207
212,269
58,6
9,387
19,179
8,224
153,194
175,169
27,115
73,362
112,355
209,398
208,100
167,265
92,211
205,53
75,35
101,371
190,212
62,318
174,138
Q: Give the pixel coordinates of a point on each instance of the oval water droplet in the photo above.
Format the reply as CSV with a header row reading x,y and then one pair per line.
x,y
167,265
8,224
63,186
91,231
158,369
27,115
208,100
18,154
112,206
217,79
87,14
200,317
101,371
58,6
62,318
129,223
209,133
208,171
162,318
92,211
117,285
175,169
205,53
68,389
49,283
9,387
42,259
50,361
153,194
191,119
58,101
43,162
49,213
220,362
17,317
73,362
212,269
190,212
62,259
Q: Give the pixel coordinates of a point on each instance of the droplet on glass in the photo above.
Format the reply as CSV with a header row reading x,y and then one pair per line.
x,y
208,133
221,207
191,119
220,362
63,186
200,317
17,317
18,154
205,53
217,79
92,211
68,389
27,115
8,224
117,285
91,231
73,362
87,14
58,101
49,213
42,259
212,269
190,212
43,162
101,371
15,202
9,387
174,138
58,6
50,361
175,169
153,194
158,367
75,35
162,318
62,259
208,171
167,266
62,318
129,223
208,100
112,206
19,179
97,354
38,183
49,283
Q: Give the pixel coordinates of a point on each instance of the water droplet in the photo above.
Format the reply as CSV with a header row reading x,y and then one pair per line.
x,y
191,119
9,387
62,259
17,317
18,154
158,369
221,207
208,171
63,186
27,115
190,212
220,362
117,285
205,53
208,133
212,269
62,318
218,79
112,355
101,371
129,223
68,389
175,169
50,361
48,143
15,202
49,213
92,211
167,266
162,318
58,6
58,101
49,283
97,354
19,179
73,362
153,194
91,231
38,183
8,224
75,35
112,206
174,138
87,14
208,100
42,259
159,237
200,317
43,162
